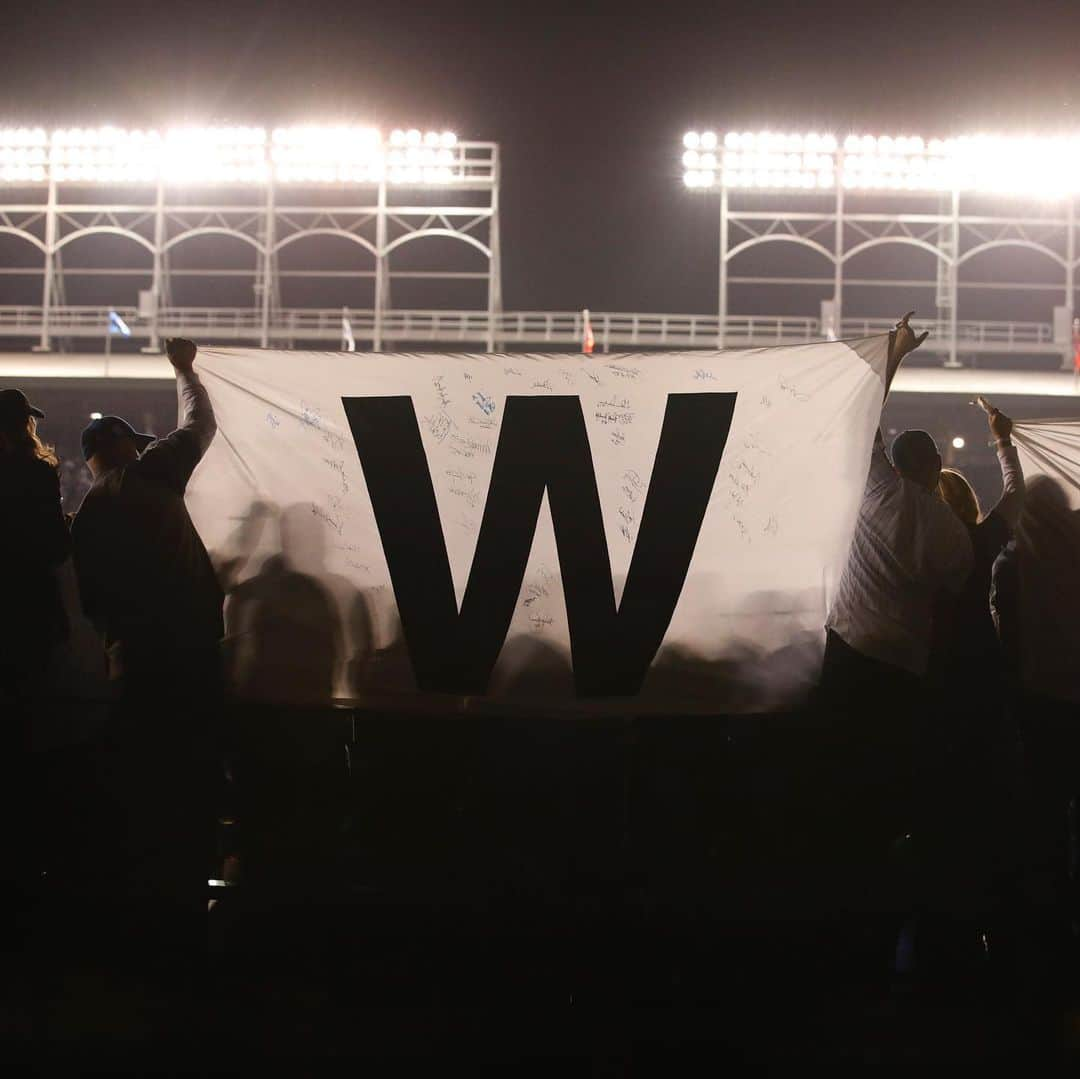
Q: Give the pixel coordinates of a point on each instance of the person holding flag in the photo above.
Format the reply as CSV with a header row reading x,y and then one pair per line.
x,y
968,755
147,583
907,546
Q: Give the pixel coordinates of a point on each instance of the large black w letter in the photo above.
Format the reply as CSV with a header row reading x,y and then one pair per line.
x,y
542,444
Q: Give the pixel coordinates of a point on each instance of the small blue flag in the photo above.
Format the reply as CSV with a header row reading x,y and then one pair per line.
x,y
117,325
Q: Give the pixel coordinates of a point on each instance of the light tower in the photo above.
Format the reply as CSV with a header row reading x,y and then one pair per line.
x,y
262,190
955,199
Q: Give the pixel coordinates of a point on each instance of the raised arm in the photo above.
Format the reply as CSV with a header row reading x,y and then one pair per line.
x,y
881,469
171,460
195,412
1011,503
902,340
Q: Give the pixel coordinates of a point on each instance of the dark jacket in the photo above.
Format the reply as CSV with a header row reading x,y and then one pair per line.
x,y
144,575
34,540
145,578
965,639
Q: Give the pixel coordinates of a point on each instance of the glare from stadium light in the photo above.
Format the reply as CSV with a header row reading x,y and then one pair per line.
x,y
214,155
1040,167
958,443
95,415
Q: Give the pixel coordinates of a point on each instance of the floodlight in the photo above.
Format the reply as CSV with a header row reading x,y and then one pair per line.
x,y
227,155
958,443
984,164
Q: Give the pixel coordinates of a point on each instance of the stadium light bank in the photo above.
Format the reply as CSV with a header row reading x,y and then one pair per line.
x,y
312,154
1032,166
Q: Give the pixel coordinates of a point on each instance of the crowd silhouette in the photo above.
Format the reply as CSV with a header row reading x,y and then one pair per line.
x,y
945,725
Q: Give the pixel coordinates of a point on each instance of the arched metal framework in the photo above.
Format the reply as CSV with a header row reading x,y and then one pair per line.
x,y
378,218
839,225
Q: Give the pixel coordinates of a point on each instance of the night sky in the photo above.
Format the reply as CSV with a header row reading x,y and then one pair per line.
x,y
588,108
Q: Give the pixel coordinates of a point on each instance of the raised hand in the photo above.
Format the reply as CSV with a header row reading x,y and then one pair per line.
x,y
181,353
904,339
1000,425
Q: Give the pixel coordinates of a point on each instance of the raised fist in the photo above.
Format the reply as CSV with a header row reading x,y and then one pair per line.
x,y
1000,424
181,352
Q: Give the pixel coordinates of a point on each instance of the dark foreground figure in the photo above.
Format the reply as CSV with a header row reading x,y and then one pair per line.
x,y
34,541
626,893
634,894
146,582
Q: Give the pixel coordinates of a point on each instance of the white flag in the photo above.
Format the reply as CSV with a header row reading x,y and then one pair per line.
x,y
348,342
641,533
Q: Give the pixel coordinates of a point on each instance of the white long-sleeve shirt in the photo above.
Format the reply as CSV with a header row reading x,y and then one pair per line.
x,y
908,544
1011,503
194,411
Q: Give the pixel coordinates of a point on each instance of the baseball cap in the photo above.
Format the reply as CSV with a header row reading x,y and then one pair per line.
x,y
15,408
102,432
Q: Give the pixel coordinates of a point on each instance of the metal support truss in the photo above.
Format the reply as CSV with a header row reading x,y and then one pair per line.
x,y
377,220
840,225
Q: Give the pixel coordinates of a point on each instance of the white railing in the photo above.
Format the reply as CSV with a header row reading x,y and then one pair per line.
x,y
612,330
968,332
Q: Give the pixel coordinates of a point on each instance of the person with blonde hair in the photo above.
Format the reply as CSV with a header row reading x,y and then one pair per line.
x,y
34,541
971,782
965,638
